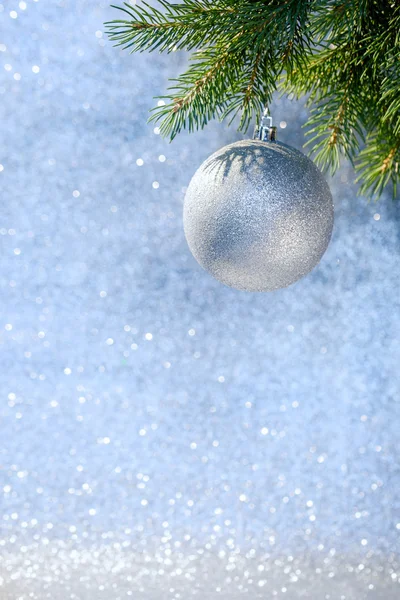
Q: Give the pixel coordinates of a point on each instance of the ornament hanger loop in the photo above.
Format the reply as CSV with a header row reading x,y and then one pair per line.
x,y
263,131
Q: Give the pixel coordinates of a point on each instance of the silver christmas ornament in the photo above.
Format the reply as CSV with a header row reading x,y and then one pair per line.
x,y
258,215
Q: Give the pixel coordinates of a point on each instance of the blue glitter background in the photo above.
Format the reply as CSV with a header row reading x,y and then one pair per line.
x,y
163,436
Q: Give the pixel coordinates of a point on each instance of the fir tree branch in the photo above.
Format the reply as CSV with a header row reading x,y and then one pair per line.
x,y
378,165
343,54
200,93
174,29
336,124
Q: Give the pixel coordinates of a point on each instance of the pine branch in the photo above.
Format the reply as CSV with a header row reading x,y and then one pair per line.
x,y
343,54
200,93
174,29
236,73
378,165
336,125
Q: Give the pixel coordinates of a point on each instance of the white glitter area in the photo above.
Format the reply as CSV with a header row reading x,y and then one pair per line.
x,y
163,436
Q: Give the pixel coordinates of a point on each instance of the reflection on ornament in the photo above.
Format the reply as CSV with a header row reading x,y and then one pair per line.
x,y
258,215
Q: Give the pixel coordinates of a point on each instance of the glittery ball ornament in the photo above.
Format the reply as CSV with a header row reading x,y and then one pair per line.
x,y
258,215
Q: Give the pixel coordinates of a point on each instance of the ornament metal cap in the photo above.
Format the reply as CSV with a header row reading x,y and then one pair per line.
x,y
265,132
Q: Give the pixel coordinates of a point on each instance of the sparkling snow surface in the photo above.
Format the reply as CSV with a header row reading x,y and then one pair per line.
x,y
164,437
